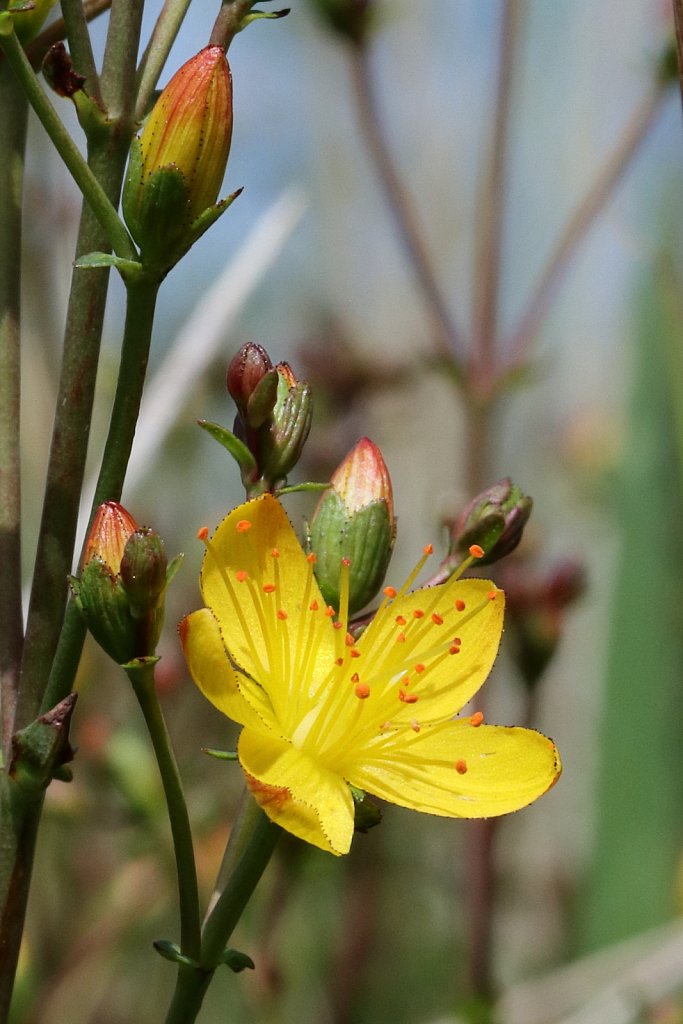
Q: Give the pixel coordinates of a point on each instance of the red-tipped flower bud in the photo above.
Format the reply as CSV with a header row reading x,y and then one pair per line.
x,y
120,592
494,520
110,531
246,370
178,163
355,520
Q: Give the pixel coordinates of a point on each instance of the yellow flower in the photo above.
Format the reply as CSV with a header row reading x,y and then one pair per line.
x,y
321,711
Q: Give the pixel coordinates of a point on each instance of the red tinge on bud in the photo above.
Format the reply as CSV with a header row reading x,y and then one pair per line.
x,y
363,478
109,534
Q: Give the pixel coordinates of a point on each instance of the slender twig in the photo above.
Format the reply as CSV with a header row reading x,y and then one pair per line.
x,y
142,678
80,47
579,223
252,841
448,341
165,30
480,402
678,21
229,21
491,200
92,190
56,32
140,306
13,120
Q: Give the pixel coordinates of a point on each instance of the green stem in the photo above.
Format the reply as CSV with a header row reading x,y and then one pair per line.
x,y
118,65
80,46
13,118
142,677
132,370
94,194
252,841
229,21
163,35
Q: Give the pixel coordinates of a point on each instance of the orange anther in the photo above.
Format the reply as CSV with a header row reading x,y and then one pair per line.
x,y
419,667
282,615
346,561
457,640
274,553
454,649
312,557
349,640
355,677
329,611
418,613
362,690
427,549
390,592
459,605
243,526
337,625
476,550
437,619
408,698
415,725
400,620
269,588
313,606
477,718
461,766
241,575
339,661
401,638
202,533
492,595
355,653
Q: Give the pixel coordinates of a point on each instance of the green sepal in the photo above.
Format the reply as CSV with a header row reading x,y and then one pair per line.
x,y
291,417
173,567
220,755
102,601
366,538
261,15
262,400
238,449
236,961
308,486
40,751
367,814
209,216
170,951
6,23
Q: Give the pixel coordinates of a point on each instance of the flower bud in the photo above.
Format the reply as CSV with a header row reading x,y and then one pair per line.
x,y
122,583
494,520
110,531
355,520
290,422
247,369
177,165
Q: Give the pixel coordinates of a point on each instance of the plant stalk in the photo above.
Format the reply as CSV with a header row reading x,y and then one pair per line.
x,y
251,844
13,120
142,677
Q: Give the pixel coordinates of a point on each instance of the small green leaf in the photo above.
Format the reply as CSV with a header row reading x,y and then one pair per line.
x,y
170,951
106,259
220,755
238,449
236,961
173,567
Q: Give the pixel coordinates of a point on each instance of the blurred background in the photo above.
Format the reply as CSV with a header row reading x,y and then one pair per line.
x,y
538,150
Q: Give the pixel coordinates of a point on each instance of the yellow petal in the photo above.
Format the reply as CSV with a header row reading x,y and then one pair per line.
x,y
238,698
419,648
269,648
461,771
297,793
